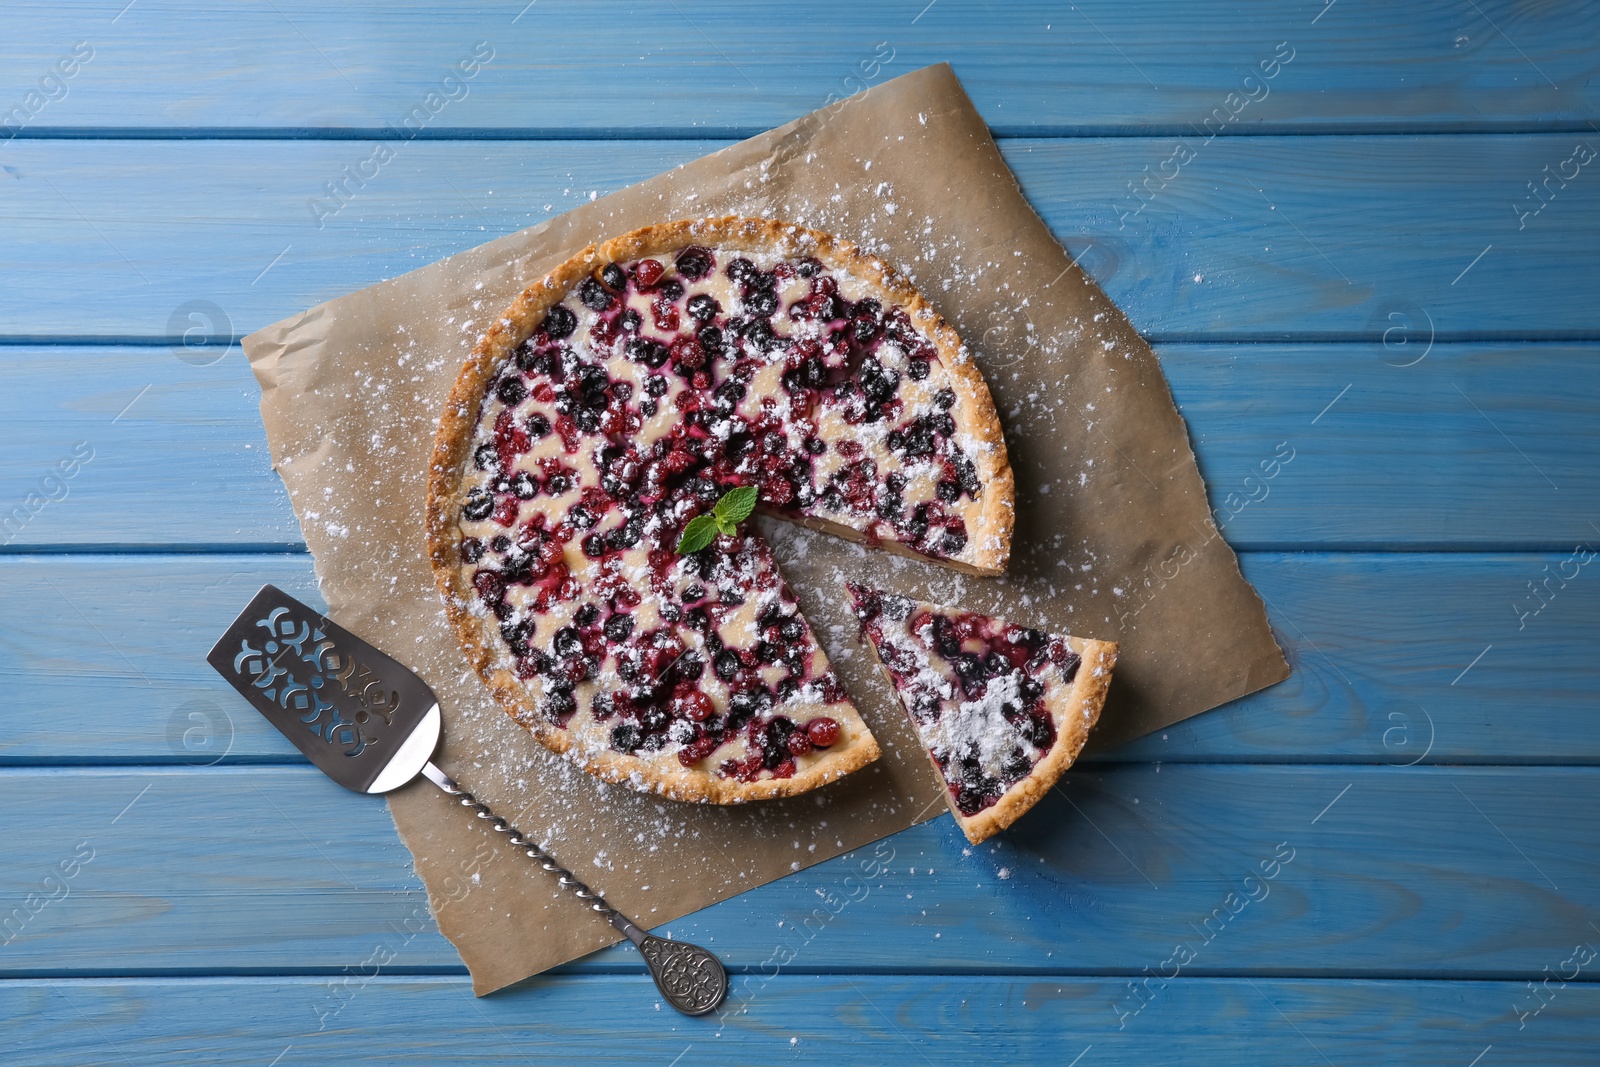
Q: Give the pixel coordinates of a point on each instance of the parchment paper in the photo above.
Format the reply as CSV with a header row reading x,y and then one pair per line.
x,y
1114,536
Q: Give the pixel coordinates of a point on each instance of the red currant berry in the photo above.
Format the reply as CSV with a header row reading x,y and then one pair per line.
x,y
823,732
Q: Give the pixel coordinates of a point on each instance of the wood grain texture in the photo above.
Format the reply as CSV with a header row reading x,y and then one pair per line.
x,y
389,1020
1030,67
1405,873
1380,646
1473,447
1312,238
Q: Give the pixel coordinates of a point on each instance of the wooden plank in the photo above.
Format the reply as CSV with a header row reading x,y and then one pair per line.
x,y
1394,445
1474,447
176,453
1031,67
1311,238
1381,647
1320,871
390,1020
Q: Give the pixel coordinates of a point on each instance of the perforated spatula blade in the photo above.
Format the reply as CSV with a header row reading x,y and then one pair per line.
x,y
369,723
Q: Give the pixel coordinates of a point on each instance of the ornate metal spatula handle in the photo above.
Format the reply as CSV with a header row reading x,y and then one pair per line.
x,y
692,979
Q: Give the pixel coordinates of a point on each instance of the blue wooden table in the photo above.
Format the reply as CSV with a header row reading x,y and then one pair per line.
x,y
1364,229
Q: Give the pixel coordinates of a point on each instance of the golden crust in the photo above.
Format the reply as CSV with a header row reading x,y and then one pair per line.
x,y
1075,712
987,551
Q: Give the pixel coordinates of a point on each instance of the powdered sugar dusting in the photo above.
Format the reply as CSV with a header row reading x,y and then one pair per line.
x,y
984,695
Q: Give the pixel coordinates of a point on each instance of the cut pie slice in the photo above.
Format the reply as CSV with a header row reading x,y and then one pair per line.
x,y
618,399
1002,709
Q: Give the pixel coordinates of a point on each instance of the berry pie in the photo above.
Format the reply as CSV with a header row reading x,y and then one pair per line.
x,y
620,398
1002,709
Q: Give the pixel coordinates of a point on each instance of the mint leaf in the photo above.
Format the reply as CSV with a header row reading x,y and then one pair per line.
x,y
735,506
700,532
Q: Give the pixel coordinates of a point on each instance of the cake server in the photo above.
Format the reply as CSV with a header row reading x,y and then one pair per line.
x,y
369,723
